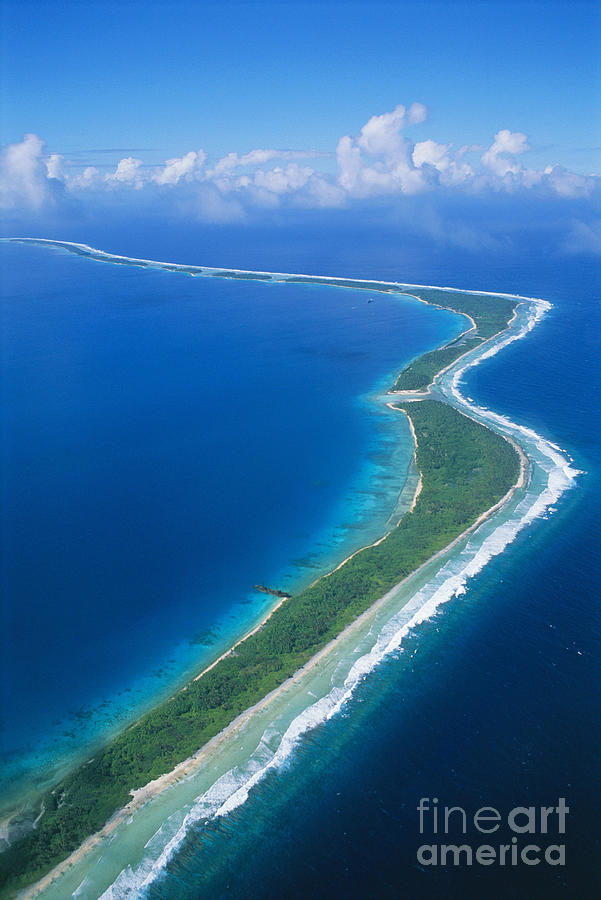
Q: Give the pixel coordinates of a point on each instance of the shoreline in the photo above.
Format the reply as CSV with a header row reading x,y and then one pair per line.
x,y
421,393
105,256
189,766
241,640
143,795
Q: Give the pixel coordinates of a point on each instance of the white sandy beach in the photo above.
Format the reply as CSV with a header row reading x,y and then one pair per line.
x,y
190,765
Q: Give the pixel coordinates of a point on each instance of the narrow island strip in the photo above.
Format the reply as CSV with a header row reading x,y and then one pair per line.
x,y
467,472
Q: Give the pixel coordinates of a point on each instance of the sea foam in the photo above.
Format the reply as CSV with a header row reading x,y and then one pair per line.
x,y
554,473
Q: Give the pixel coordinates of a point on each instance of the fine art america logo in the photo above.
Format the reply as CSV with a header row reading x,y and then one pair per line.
x,y
527,831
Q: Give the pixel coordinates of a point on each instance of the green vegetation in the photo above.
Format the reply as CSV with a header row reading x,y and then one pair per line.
x,y
344,282
465,470
247,276
491,315
490,312
421,372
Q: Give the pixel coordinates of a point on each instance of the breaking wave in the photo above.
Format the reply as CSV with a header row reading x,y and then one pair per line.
x,y
551,474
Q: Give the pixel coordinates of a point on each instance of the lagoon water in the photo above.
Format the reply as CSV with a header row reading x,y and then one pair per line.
x,y
492,701
168,443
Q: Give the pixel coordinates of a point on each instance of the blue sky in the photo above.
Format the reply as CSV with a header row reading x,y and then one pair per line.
x,y
164,106
169,77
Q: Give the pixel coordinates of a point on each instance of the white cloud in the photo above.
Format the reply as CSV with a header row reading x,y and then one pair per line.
x,y
226,164
282,181
223,170
452,170
85,179
187,167
506,143
433,154
417,113
322,193
127,172
209,205
23,174
381,134
566,183
54,167
380,161
258,157
349,163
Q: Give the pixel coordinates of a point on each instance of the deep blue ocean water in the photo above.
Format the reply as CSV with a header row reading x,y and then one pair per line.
x,y
168,443
496,701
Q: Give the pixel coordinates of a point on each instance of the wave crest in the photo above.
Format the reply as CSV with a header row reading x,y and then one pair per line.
x,y
554,474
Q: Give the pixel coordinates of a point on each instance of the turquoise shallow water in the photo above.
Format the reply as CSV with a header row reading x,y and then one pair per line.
x,y
491,701
146,850
168,443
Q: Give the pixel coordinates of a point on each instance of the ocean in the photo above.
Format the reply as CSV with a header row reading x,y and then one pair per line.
x,y
491,701
169,443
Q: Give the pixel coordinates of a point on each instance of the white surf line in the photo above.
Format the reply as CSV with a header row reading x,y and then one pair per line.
x,y
353,283
219,799
452,586
422,393
327,706
306,720
141,796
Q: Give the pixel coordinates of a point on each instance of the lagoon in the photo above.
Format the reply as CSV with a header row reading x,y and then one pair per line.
x,y
168,443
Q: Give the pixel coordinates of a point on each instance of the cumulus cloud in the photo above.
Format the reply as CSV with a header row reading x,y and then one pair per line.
x,y
433,154
24,174
451,170
127,172
378,161
86,179
566,183
381,162
381,135
322,193
259,157
417,113
188,167
282,181
506,144
208,204
349,161
54,167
